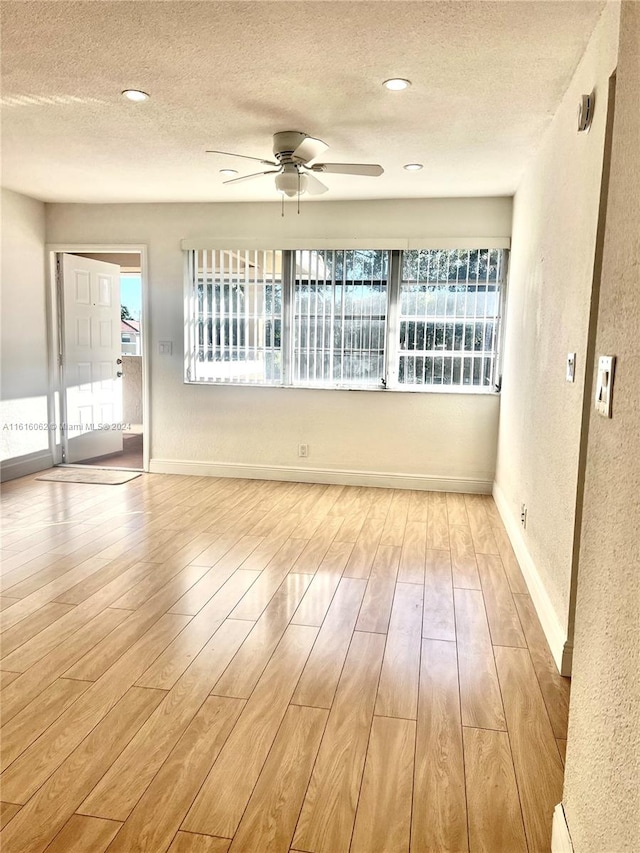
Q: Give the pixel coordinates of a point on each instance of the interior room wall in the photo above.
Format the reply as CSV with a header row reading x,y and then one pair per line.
x,y
554,230
355,436
601,795
24,371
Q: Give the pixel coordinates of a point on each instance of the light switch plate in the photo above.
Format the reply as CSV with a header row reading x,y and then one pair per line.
x,y
604,385
571,367
165,347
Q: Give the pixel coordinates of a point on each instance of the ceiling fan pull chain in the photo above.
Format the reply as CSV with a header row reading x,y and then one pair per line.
x,y
282,203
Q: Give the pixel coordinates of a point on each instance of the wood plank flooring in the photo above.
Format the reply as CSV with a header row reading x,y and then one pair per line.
x,y
199,665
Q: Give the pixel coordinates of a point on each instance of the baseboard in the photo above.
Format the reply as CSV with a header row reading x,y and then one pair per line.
x,y
22,466
567,658
553,630
321,475
560,836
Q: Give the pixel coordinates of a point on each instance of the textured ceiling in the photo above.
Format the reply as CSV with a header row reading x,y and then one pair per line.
x,y
487,78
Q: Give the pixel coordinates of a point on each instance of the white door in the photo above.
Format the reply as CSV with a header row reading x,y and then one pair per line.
x,y
91,351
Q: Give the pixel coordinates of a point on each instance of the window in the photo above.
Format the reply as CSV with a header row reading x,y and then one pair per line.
x,y
415,319
234,322
339,317
449,315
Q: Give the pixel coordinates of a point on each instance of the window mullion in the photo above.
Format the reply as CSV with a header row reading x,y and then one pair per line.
x,y
343,299
332,285
288,307
309,319
392,330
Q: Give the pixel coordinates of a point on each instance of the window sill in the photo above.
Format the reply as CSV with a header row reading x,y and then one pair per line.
x,y
432,389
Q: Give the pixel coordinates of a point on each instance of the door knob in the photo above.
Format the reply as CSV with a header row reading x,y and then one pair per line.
x,y
119,373
118,361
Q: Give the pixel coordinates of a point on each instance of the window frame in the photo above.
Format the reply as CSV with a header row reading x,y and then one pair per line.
x,y
389,381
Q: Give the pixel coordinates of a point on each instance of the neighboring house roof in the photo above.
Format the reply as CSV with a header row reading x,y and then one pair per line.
x,y
130,326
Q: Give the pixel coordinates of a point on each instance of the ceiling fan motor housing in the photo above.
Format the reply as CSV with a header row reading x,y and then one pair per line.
x,y
285,143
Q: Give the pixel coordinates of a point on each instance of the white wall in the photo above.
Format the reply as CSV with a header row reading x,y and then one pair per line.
x,y
602,791
25,378
416,435
553,243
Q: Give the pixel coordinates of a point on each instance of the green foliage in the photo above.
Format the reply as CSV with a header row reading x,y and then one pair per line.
x,y
355,265
454,266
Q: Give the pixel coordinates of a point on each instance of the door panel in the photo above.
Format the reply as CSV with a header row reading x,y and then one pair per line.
x,y
91,344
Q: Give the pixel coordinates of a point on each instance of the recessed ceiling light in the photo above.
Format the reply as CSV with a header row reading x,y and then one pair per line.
x,y
228,171
396,84
413,167
135,95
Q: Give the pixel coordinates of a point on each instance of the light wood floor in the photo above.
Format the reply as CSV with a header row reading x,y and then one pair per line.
x,y
201,666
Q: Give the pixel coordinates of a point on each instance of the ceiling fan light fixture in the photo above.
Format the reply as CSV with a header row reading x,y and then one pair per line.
x,y
290,183
396,84
413,167
135,95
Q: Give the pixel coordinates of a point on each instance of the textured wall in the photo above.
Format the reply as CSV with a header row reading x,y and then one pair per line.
x,y
440,434
602,783
25,376
554,230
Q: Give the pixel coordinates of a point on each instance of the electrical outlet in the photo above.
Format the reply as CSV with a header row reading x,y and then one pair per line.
x,y
523,515
303,450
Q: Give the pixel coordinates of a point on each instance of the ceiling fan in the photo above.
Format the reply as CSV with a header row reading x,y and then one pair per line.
x,y
293,152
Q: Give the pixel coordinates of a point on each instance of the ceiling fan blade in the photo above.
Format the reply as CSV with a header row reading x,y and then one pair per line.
x,y
251,177
309,149
313,186
244,156
370,169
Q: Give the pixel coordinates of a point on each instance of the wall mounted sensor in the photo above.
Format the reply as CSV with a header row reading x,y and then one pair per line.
x,y
585,112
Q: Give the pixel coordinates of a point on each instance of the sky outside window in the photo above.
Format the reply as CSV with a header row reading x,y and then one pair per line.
x,y
131,293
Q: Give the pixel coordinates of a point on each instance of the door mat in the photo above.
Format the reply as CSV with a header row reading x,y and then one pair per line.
x,y
93,476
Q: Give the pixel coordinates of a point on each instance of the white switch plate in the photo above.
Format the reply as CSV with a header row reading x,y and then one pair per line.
x,y
571,367
604,384
165,347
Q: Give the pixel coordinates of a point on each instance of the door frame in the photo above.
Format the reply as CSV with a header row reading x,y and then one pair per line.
x,y
54,341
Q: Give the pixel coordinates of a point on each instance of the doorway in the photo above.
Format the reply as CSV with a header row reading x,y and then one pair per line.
x,y
100,342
